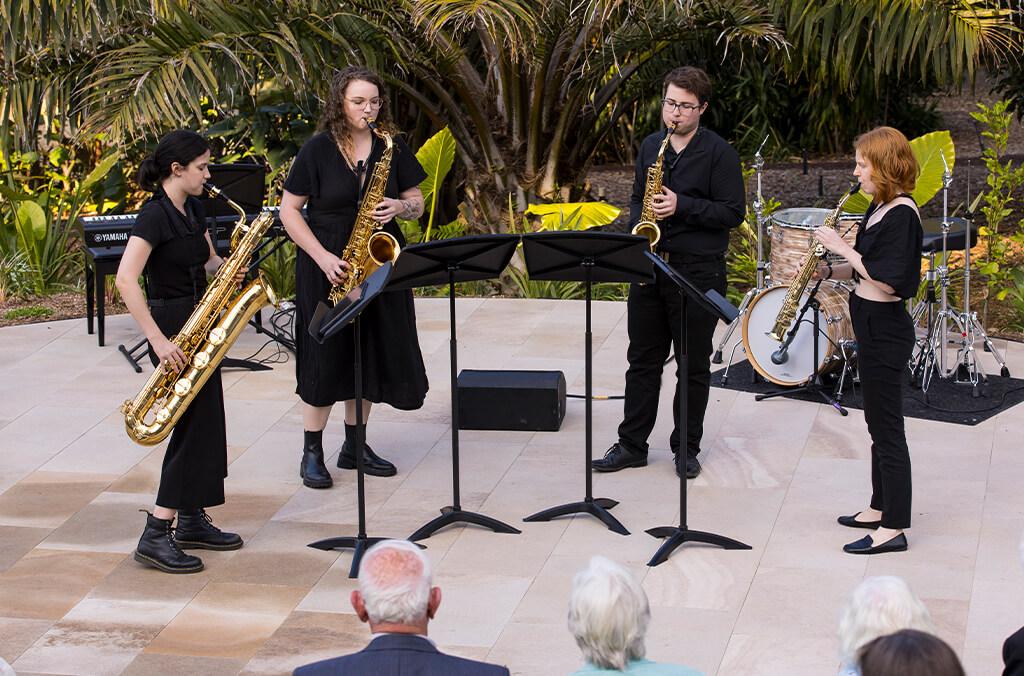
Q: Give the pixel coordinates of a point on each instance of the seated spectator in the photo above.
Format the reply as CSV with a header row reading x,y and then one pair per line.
x,y
877,607
909,652
397,599
608,616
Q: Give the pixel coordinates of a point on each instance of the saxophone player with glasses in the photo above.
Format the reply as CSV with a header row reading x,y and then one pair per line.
x,y
331,174
701,199
170,245
885,262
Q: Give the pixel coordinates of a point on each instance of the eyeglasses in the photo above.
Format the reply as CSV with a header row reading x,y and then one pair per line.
x,y
685,107
361,103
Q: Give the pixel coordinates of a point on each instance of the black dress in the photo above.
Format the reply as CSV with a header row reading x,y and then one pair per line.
x,y
891,253
196,460
393,371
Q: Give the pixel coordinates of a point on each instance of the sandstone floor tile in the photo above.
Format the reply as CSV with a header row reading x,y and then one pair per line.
x,y
110,523
279,555
16,541
48,499
536,649
46,583
462,619
793,655
86,647
17,634
156,664
119,453
692,637
306,637
227,620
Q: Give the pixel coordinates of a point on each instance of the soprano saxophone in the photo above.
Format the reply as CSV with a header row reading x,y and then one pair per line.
x,y
369,247
796,288
648,223
205,338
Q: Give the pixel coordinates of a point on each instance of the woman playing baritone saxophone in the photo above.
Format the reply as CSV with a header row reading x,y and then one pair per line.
x,y
885,261
170,244
328,177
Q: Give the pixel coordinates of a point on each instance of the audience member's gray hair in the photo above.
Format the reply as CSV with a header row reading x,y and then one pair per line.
x,y
877,607
608,614
395,581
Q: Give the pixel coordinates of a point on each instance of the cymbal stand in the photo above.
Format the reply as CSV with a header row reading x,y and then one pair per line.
x,y
763,278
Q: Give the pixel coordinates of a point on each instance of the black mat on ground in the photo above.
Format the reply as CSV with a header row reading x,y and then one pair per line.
x,y
946,400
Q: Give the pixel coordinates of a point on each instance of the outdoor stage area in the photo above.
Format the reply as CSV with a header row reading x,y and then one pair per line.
x,y
776,475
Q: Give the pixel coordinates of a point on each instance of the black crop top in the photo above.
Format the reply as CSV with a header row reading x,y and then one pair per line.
x,y
891,249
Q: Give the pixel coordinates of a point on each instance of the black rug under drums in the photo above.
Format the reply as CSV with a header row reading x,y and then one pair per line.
x,y
946,400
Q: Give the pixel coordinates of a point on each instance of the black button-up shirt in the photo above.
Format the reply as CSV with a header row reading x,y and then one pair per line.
x,y
708,180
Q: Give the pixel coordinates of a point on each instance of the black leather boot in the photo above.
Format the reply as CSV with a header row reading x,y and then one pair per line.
x,y
373,464
312,469
158,549
196,531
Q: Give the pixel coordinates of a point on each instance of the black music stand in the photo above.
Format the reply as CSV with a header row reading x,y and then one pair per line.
x,y
587,257
463,259
713,302
326,323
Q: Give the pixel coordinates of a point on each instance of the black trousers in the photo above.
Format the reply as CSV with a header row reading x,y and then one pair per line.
x,y
885,341
654,312
196,460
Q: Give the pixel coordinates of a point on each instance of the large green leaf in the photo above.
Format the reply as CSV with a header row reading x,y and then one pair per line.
x,y
573,215
436,156
101,170
929,151
31,222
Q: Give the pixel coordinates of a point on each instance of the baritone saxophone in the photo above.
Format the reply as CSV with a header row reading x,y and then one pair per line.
x,y
205,338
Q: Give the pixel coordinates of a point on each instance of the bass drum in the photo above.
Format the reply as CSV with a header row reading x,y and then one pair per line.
x,y
835,334
792,230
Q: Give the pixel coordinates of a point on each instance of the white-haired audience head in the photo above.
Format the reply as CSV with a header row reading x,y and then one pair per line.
x,y
608,614
395,588
877,607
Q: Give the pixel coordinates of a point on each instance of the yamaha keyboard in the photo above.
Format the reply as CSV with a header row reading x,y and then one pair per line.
x,y
104,239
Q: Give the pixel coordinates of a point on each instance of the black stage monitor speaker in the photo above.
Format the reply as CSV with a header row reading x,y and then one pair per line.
x,y
511,400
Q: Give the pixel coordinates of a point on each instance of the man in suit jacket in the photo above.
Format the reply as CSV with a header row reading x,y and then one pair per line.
x,y
1013,654
397,599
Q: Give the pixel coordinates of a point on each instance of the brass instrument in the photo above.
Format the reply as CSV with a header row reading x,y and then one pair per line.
x,y
796,288
648,223
205,338
369,247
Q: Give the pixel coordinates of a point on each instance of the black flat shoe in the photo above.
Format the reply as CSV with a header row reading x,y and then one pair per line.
x,y
866,545
851,522
692,467
618,457
373,464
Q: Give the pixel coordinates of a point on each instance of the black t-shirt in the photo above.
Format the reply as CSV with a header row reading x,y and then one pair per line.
x,y
891,249
180,250
320,173
708,181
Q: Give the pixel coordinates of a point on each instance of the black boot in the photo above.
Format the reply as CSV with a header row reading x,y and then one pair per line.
x,y
196,531
158,549
312,469
373,464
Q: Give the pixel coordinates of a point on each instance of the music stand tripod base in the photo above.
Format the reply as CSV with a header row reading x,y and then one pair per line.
x,y
596,507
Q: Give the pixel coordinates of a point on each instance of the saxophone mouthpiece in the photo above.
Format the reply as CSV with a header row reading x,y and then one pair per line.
x,y
213,190
372,124
854,189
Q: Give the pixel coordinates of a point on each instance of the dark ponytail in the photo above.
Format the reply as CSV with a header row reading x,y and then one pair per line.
x,y
181,146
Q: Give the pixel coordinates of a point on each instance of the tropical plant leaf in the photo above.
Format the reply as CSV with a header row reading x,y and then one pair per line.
x,y
31,222
574,215
101,170
436,157
929,151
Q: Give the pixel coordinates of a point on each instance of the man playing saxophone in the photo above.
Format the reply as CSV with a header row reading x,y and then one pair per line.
x,y
701,199
332,174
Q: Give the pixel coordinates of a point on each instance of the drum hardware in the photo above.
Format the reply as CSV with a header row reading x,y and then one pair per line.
x,y
763,272
813,384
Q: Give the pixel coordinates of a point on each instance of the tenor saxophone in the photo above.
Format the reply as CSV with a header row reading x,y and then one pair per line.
x,y
205,338
368,247
648,223
796,288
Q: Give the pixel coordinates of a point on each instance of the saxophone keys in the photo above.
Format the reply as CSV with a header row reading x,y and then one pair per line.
x,y
163,415
218,335
181,388
201,360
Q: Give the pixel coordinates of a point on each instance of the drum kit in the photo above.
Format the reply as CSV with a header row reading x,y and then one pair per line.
x,y
834,350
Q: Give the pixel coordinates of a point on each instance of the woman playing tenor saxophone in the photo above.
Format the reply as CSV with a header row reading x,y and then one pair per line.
x,y
329,177
170,244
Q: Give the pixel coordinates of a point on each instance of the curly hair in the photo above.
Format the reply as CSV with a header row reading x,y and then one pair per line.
x,y
894,168
333,117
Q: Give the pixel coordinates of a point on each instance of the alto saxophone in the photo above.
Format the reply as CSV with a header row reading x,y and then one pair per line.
x,y
648,223
369,247
796,288
205,338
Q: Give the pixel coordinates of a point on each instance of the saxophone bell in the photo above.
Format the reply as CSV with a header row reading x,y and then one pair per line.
x,y
650,230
